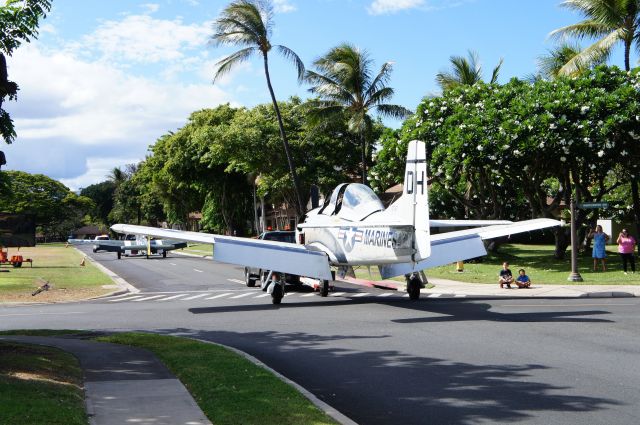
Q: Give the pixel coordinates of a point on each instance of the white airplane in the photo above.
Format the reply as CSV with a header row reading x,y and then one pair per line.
x,y
353,228
139,243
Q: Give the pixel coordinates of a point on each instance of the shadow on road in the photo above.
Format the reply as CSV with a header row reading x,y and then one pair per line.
x,y
388,386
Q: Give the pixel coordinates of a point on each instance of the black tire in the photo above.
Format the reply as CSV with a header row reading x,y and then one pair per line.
x,y
119,255
277,294
413,288
249,280
164,254
95,250
17,264
324,289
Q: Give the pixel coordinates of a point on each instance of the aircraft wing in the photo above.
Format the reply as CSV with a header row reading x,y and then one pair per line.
x,y
465,223
461,245
95,242
268,255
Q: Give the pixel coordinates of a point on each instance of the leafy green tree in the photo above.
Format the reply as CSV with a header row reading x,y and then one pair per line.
x,y
345,84
550,64
19,23
57,210
102,196
465,72
249,23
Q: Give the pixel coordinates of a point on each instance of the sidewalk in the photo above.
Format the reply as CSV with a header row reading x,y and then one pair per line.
x,y
125,384
451,288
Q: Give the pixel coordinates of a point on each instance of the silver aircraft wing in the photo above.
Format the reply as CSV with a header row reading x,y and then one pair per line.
x,y
107,242
465,223
268,255
461,245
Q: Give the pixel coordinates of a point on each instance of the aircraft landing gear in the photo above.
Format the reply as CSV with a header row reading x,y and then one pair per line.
x,y
277,293
249,280
164,254
119,255
413,286
324,289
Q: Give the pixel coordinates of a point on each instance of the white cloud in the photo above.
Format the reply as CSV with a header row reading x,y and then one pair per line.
x,y
283,6
150,7
143,39
381,7
70,109
97,171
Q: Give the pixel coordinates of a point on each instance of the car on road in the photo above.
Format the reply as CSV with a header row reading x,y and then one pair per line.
x,y
96,248
251,275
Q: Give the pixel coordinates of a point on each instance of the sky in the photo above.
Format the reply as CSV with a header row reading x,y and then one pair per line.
x,y
106,79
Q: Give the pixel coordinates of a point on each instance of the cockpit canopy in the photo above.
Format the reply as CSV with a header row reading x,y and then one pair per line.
x,y
352,201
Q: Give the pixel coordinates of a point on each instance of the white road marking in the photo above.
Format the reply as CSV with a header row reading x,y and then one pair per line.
x,y
173,264
434,295
460,295
148,298
173,297
219,296
243,295
308,295
361,294
193,297
40,314
387,294
262,295
337,294
127,298
237,281
199,271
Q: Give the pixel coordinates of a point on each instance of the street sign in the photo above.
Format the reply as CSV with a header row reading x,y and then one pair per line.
x,y
593,205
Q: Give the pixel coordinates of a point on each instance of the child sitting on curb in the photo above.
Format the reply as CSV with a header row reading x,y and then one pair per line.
x,y
523,280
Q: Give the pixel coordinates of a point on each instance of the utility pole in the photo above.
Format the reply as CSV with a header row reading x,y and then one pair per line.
x,y
575,274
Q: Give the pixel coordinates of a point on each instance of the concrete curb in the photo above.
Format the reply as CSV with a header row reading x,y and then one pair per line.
x,y
123,285
330,411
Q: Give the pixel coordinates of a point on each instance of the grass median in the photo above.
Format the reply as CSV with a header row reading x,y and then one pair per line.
x,y
57,265
39,385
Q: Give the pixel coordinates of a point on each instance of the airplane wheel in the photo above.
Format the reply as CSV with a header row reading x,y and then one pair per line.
x,y
164,254
119,255
248,279
17,264
413,288
94,250
277,294
324,290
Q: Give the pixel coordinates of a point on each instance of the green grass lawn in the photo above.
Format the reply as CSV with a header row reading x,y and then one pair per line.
x,y
541,267
198,249
39,385
57,265
228,388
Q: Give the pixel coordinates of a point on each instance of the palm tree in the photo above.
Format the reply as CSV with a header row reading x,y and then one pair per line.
x,y
610,22
551,63
248,24
466,72
344,84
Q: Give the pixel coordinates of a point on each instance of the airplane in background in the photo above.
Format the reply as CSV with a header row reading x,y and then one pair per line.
x,y
132,243
352,228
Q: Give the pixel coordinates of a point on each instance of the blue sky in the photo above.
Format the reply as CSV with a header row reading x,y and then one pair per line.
x,y
105,79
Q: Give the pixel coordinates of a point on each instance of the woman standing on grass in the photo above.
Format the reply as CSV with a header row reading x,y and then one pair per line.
x,y
626,246
600,239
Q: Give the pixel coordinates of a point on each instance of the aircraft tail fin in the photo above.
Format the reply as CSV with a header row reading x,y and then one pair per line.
x,y
413,205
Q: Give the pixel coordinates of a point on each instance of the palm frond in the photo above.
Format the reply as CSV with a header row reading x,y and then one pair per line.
x,y
598,52
381,80
584,29
293,58
227,64
496,72
394,111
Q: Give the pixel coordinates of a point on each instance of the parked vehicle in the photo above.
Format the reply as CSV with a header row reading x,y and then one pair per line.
x,y
96,248
251,275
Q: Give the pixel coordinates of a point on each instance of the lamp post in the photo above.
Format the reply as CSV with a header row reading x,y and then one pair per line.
x,y
575,274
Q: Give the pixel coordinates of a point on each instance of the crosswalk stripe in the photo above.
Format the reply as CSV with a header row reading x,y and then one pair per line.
x,y
308,295
126,294
219,296
237,281
337,294
434,295
243,295
360,294
193,297
126,299
460,295
199,271
262,296
173,297
148,298
386,294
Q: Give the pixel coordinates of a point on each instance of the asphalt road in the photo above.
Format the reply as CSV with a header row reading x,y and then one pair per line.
x,y
381,359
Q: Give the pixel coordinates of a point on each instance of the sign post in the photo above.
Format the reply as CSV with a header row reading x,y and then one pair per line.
x,y
575,274
593,205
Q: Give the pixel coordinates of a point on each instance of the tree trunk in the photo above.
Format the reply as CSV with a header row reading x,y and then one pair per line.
x,y
300,209
363,146
561,242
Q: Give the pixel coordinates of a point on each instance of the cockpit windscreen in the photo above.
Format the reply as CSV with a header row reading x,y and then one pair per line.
x,y
359,202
